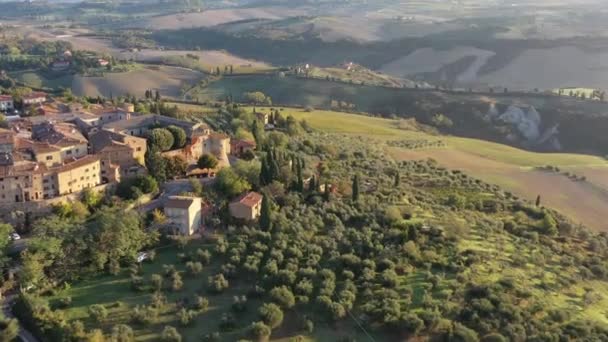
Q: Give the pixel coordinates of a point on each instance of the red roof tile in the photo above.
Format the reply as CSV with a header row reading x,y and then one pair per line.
x,y
249,199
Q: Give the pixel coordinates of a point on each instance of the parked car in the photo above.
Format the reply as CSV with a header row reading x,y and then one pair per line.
x,y
142,256
15,237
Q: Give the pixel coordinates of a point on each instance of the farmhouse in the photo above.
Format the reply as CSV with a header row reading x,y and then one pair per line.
x,y
6,103
184,214
239,147
36,97
247,207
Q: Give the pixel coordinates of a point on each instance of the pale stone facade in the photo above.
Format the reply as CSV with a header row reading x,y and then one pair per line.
x,y
184,214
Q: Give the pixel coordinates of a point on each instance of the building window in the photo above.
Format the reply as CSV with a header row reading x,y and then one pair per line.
x,y
49,157
68,152
139,149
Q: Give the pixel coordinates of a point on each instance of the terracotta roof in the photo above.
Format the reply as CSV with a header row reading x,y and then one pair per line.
x,y
6,98
219,136
243,143
249,199
34,95
21,168
6,136
34,146
180,202
76,163
62,134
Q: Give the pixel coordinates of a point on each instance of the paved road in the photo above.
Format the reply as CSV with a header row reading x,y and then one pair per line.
x,y
7,304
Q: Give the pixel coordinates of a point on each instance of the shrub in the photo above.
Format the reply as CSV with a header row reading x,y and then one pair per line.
x,y
283,296
217,283
194,268
207,161
160,139
260,331
271,314
144,315
122,333
98,312
65,302
185,316
201,303
179,136
177,282
170,334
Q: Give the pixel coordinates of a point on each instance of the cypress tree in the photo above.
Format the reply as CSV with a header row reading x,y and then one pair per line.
x,y
538,201
397,179
255,129
266,214
356,188
264,173
327,193
300,180
312,186
273,166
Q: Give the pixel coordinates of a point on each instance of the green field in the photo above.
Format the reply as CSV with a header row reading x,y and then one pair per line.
x,y
36,79
511,168
117,295
337,122
298,91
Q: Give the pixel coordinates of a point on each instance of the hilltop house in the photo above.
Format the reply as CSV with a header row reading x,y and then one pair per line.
x,y
6,103
36,97
239,147
247,207
184,214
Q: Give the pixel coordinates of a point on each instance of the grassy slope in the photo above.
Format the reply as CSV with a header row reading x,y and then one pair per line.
x,y
508,167
108,290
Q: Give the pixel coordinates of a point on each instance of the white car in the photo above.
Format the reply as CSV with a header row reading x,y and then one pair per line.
x,y
142,256
15,236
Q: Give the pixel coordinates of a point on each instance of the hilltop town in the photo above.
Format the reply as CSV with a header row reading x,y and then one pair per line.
x,y
55,156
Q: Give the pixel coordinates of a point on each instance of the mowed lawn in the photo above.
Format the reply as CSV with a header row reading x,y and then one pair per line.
x,y
511,168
